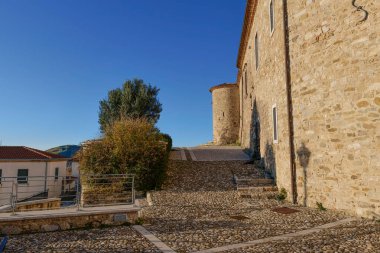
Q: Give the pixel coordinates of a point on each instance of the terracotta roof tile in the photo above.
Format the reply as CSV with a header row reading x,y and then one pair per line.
x,y
25,153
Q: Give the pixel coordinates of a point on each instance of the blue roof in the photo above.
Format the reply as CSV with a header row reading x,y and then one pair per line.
x,y
67,151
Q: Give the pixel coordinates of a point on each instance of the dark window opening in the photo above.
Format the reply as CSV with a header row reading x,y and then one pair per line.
x,y
246,81
271,16
22,176
275,136
257,51
56,173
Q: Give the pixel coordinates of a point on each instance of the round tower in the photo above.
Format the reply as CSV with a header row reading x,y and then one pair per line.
x,y
225,113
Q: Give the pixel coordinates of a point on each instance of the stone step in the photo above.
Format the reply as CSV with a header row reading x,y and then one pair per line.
x,y
255,181
255,194
257,188
251,183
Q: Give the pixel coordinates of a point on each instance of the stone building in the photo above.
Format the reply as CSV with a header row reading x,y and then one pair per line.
x,y
309,92
225,113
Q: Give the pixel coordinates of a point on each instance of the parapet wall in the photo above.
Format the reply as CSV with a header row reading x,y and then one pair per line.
x,y
58,220
225,110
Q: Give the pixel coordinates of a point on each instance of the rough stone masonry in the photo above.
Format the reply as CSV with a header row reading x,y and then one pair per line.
x,y
324,101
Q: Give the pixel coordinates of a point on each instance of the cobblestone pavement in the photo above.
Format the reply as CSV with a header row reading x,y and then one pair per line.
x,y
206,176
175,155
116,239
211,153
198,209
357,236
219,153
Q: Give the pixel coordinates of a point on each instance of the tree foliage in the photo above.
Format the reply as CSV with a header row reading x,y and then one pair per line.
x,y
134,100
168,139
129,146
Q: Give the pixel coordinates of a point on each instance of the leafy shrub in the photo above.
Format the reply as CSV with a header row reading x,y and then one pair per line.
x,y
282,195
129,146
166,138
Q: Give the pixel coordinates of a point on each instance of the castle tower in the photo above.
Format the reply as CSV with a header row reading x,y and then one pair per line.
x,y
225,112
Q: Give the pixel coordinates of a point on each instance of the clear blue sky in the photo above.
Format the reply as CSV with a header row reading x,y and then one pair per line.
x,y
58,59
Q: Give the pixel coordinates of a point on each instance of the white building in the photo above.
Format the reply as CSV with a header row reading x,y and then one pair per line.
x,y
30,174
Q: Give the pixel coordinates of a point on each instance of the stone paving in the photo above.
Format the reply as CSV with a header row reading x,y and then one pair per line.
x,y
358,236
219,153
116,239
206,176
175,155
199,209
210,153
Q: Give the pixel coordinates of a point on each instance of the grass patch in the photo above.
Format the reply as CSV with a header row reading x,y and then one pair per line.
x,y
282,195
321,207
139,221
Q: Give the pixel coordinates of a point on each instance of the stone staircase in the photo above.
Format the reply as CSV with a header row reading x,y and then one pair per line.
x,y
250,187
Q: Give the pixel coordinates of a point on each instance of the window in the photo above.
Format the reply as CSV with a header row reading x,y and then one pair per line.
x,y
56,173
257,51
275,132
22,176
242,88
271,16
246,81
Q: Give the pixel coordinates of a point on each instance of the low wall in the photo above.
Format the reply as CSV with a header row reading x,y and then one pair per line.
x,y
20,224
43,204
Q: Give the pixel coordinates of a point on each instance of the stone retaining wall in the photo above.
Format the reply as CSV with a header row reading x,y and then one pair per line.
x,y
49,223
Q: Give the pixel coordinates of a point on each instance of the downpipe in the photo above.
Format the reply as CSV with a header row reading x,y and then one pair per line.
x,y
289,102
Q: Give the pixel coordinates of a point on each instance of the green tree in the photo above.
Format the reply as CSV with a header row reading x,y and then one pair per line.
x,y
134,100
128,146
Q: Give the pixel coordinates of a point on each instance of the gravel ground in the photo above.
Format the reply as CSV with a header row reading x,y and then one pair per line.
x,y
116,239
199,209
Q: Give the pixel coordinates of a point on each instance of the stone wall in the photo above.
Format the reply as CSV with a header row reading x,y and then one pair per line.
x,y
335,80
335,69
50,222
266,88
225,111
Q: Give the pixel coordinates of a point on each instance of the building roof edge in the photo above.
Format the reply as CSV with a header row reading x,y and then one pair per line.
x,y
223,85
250,10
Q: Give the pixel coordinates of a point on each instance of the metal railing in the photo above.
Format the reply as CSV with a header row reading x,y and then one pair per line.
x,y
111,189
18,194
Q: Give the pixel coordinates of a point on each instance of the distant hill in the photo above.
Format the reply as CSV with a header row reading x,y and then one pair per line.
x,y
66,150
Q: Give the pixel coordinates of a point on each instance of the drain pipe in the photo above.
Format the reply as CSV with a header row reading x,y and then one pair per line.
x,y
289,102
46,171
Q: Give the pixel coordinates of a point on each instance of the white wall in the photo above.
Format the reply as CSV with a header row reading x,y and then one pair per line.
x,y
73,169
36,179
